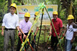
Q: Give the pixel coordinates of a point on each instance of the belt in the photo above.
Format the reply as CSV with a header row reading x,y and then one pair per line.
x,y
9,29
27,33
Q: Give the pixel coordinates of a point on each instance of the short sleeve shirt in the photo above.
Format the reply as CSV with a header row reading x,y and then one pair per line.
x,y
10,21
57,24
36,25
70,31
25,26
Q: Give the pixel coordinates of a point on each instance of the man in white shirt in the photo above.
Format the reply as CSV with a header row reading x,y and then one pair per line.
x,y
70,33
10,22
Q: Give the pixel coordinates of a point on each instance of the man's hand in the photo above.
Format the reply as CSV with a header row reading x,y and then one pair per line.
x,y
64,34
35,34
24,36
50,33
58,36
2,33
31,30
19,34
72,41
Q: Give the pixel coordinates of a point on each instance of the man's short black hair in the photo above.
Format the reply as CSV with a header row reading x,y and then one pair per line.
x,y
13,7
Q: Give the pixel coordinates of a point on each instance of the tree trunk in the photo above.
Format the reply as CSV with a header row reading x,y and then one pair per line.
x,y
9,3
58,2
70,8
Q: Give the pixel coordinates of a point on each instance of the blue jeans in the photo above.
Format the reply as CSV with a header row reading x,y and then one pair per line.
x,y
68,45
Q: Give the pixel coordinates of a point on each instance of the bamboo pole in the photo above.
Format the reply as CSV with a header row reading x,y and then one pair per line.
x,y
53,26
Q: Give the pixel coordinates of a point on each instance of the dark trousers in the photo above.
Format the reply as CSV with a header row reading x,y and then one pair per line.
x,y
33,43
19,42
54,42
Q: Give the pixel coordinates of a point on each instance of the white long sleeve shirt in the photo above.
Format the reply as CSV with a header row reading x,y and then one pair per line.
x,y
10,21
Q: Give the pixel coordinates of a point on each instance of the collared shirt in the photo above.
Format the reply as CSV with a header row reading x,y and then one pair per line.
x,y
57,24
10,21
25,26
36,25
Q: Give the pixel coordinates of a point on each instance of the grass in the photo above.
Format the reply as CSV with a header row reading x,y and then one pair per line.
x,y
1,42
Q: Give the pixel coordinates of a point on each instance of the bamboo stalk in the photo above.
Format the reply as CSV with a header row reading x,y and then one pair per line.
x,y
53,26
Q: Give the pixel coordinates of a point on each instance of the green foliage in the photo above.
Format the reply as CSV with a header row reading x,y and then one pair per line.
x,y
75,5
3,7
1,42
76,11
62,15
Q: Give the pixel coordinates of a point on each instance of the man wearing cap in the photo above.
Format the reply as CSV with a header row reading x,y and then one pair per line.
x,y
70,33
57,22
10,22
24,26
35,28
